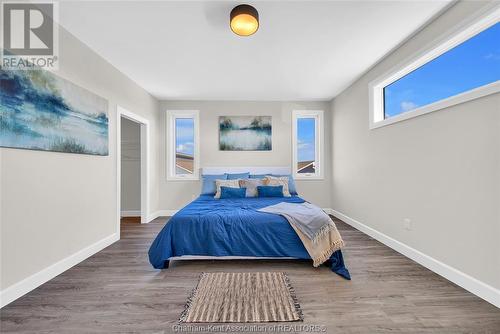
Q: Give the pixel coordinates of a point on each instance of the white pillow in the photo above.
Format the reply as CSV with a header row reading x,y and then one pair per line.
x,y
278,181
251,185
225,183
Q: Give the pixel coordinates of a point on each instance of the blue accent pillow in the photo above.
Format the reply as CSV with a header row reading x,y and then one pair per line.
x,y
230,192
258,176
208,183
291,183
270,191
237,176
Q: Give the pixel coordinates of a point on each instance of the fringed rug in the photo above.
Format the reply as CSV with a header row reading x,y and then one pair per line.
x,y
242,297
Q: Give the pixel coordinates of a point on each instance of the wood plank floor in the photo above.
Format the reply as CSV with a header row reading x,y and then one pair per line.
x,y
117,291
130,220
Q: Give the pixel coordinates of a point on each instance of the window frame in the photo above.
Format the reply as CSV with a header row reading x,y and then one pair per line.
x,y
319,144
456,36
172,115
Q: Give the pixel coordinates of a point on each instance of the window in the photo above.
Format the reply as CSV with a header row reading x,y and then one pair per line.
x,y
307,145
183,147
465,67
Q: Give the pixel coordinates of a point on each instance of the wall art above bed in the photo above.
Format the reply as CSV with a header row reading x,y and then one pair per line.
x,y
40,111
245,133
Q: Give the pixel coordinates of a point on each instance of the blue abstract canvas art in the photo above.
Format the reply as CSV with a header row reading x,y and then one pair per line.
x,y
41,111
245,133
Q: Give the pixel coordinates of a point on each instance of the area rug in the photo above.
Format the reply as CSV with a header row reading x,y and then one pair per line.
x,y
242,297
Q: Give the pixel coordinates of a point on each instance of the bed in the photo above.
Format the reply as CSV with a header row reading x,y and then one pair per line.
x,y
229,229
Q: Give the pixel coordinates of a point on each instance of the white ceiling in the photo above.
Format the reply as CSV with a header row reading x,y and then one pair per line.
x,y
304,50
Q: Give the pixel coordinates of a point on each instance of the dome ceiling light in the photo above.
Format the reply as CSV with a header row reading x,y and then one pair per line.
x,y
244,20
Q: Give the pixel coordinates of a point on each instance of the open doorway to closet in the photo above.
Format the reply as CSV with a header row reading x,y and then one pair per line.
x,y
130,203
132,167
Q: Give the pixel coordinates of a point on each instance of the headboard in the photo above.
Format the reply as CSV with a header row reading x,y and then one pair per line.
x,y
252,170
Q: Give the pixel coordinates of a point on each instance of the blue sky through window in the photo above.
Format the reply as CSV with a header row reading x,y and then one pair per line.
x,y
474,63
306,139
184,135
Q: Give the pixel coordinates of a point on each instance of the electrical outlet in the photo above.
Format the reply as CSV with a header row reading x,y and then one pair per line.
x,y
407,224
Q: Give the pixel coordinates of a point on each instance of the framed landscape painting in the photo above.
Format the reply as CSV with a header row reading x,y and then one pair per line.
x,y
245,133
40,111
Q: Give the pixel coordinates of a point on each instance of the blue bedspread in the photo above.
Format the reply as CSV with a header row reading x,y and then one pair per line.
x,y
232,227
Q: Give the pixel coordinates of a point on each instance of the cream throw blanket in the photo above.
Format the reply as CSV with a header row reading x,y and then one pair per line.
x,y
314,227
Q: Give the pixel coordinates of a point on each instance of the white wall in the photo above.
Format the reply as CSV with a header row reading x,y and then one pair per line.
x,y
441,170
176,194
53,205
131,166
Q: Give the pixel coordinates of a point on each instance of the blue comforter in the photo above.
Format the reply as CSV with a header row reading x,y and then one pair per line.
x,y
232,227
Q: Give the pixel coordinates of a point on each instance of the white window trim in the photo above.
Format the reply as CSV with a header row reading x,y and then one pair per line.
x,y
452,38
319,147
170,126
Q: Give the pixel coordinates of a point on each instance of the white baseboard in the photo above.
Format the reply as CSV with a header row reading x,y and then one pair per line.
x,y
469,283
328,211
161,213
21,288
130,213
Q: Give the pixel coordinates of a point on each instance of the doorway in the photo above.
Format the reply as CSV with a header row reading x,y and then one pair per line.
x,y
130,159
132,167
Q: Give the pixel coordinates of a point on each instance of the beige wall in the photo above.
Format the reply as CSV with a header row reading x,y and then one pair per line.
x,y
176,194
441,170
131,165
54,204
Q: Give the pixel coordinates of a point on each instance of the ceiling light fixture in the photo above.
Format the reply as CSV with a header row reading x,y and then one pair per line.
x,y
244,20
